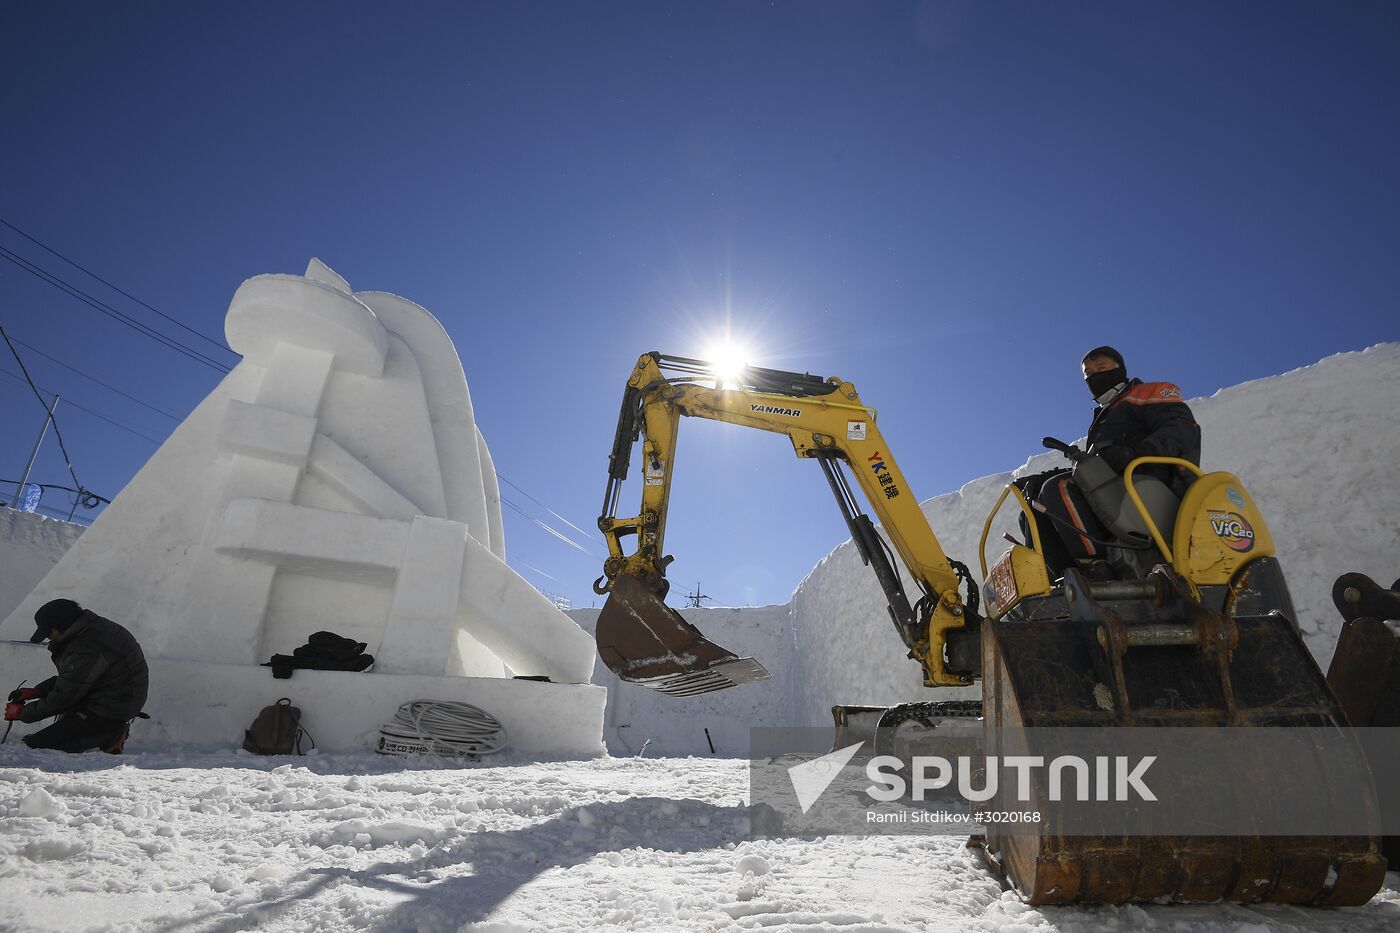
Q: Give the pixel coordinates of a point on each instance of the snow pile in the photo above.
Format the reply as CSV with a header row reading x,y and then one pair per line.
x,y
235,842
1315,447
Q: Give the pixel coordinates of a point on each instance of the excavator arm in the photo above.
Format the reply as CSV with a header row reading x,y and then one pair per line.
x,y
826,421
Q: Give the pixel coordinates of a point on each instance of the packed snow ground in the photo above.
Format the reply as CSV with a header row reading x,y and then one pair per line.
x,y
224,841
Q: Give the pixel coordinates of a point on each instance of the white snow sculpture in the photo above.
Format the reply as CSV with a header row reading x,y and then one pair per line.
x,y
335,479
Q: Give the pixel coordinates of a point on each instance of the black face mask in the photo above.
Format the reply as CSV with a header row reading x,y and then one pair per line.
x,y
1099,383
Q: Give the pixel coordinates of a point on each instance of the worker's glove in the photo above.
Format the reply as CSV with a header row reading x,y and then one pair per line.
x,y
1117,457
13,709
24,694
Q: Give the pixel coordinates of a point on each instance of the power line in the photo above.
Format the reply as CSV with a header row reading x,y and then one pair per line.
x,y
104,385
115,423
99,305
549,529
586,534
533,569
49,249
68,402
48,412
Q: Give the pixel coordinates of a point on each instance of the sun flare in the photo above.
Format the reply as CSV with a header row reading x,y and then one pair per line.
x,y
727,360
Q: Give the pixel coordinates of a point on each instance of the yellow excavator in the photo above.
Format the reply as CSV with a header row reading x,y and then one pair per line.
x,y
1193,627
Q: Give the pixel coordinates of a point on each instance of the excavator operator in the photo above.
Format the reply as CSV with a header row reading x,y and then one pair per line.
x,y
1133,419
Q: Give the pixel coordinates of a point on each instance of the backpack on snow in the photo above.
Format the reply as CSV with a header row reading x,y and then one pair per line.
x,y
277,730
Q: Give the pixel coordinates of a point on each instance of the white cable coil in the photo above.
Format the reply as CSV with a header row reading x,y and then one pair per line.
x,y
442,728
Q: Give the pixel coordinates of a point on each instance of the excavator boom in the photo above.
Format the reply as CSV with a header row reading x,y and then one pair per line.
x,y
644,641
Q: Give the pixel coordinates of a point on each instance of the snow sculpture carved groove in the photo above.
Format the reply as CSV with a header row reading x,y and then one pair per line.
x,y
335,479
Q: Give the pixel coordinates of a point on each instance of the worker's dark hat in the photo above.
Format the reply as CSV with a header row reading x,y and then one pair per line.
x,y
54,614
1105,351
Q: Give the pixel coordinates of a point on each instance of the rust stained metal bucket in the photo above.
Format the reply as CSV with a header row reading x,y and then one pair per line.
x,y
646,642
1119,660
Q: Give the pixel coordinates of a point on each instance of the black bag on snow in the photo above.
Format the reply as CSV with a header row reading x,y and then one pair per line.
x,y
276,730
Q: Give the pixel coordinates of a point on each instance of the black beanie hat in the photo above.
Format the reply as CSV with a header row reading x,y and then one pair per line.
x,y
1109,352
54,614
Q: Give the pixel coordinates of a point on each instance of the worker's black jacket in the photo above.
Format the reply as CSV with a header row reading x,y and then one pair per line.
x,y
1149,419
101,672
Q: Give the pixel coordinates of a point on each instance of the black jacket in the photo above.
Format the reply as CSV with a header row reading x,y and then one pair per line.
x,y
1148,419
101,672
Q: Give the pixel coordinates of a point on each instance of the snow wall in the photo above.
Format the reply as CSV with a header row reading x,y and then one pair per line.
x,y
1316,447
30,546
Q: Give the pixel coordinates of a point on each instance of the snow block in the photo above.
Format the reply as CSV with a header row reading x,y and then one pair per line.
x,y
196,703
317,542
519,623
266,433
271,310
337,468
452,418
423,616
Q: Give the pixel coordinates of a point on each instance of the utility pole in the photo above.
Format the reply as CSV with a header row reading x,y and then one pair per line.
x,y
33,455
695,598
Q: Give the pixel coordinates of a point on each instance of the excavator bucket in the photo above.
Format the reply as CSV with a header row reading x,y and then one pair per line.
x,y
1150,655
646,642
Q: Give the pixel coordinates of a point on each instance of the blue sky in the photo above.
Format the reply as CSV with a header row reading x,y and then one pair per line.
x,y
945,203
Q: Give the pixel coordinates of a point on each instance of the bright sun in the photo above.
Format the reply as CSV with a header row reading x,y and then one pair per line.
x,y
727,360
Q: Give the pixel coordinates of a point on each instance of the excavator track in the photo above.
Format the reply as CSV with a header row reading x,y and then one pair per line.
x,y
894,737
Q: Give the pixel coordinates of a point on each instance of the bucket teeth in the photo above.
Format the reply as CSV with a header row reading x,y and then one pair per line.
x,y
721,676
646,642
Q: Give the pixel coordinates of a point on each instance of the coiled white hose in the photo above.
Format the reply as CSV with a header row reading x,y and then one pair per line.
x,y
445,727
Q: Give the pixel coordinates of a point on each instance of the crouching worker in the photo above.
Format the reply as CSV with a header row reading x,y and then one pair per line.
x,y
100,686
